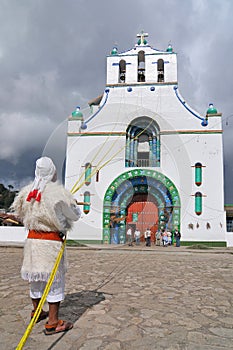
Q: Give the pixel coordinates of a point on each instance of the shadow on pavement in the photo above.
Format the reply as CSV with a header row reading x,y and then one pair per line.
x,y
75,305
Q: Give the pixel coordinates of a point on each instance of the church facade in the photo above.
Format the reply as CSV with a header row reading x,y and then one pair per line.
x,y
143,158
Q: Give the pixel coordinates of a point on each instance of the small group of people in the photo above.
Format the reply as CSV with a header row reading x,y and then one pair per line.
x,y
131,237
136,236
165,238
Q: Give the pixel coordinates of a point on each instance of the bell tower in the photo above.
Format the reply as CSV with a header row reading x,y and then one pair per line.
x,y
141,65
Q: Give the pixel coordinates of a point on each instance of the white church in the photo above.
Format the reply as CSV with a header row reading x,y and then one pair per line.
x,y
143,158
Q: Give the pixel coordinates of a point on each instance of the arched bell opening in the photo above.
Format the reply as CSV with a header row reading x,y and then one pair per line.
x,y
122,71
160,70
141,66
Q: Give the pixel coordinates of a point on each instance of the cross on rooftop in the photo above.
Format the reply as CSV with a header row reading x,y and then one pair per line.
x,y
142,35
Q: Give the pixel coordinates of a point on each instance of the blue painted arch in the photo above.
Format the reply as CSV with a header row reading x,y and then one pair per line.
x,y
121,191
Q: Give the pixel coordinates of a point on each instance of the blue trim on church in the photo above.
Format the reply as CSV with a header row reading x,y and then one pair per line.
x,y
84,124
204,120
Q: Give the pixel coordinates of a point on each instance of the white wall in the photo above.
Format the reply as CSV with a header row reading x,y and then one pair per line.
x,y
16,235
12,234
229,239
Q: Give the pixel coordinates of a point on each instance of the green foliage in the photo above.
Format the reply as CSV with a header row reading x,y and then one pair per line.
x,y
198,246
74,243
6,196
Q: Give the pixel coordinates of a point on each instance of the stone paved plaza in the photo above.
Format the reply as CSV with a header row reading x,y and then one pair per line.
x,y
128,298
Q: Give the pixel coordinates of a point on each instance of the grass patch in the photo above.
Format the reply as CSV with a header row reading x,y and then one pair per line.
x,y
74,243
199,246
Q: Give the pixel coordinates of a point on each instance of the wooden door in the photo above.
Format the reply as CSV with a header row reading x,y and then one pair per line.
x,y
145,215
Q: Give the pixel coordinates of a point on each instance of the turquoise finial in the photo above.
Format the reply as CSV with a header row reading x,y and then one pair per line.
x,y
114,51
211,109
77,113
169,48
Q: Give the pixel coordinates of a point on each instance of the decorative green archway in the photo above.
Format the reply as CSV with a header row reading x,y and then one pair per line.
x,y
116,185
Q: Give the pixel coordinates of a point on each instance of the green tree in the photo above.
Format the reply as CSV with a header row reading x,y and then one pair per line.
x,y
6,196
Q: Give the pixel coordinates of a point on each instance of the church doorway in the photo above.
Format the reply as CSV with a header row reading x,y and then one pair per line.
x,y
141,199
142,213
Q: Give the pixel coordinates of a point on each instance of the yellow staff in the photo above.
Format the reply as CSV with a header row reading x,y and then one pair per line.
x,y
43,298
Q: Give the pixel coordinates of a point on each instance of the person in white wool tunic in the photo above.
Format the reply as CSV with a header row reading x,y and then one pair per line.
x,y
47,211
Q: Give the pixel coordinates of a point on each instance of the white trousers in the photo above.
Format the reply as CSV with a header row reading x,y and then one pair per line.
x,y
56,293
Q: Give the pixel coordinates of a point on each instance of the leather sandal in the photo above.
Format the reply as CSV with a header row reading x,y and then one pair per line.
x,y
58,327
43,315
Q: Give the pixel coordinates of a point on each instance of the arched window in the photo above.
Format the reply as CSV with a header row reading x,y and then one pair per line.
x,y
160,70
122,71
141,66
142,143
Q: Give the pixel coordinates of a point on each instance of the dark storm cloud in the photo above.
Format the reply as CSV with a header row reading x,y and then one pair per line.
x,y
52,58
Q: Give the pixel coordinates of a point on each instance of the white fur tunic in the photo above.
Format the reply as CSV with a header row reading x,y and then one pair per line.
x,y
55,212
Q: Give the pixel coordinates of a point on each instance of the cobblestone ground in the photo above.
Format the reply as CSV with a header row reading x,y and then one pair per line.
x,y
158,298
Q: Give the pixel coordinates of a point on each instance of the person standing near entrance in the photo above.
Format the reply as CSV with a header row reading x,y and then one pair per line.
x,y
177,236
129,235
169,237
158,237
47,211
147,236
137,234
165,238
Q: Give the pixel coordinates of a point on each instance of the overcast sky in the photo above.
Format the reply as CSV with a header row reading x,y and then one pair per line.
x,y
53,57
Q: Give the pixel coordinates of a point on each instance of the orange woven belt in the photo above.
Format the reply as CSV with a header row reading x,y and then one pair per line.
x,y
51,236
